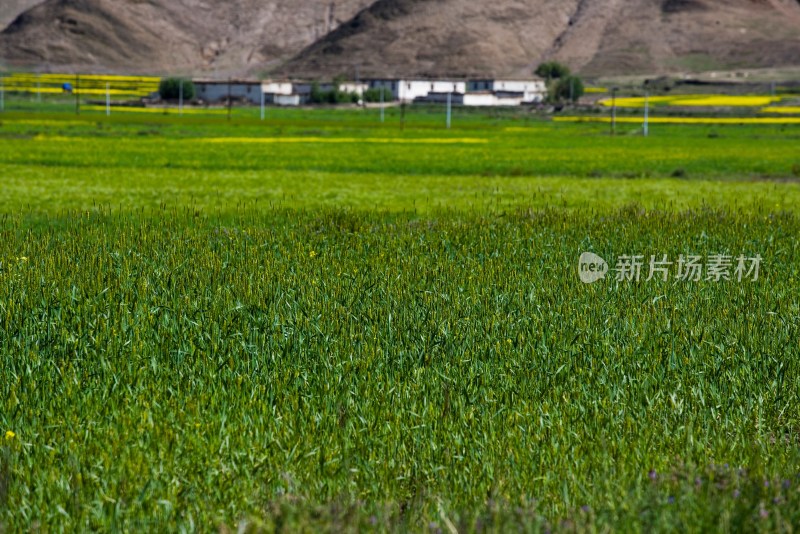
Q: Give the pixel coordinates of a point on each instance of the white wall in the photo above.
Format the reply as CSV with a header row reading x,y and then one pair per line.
x,y
475,99
286,100
480,99
531,90
352,87
408,90
277,88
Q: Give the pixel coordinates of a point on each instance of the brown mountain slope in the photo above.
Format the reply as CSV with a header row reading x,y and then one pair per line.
x,y
154,36
10,9
509,37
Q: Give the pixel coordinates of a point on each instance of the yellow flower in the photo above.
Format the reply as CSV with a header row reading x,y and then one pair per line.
x,y
312,254
10,435
22,258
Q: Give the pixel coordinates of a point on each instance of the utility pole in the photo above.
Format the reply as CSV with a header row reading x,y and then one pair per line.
x,y
613,111
646,114
180,97
108,99
230,101
449,108
262,104
382,111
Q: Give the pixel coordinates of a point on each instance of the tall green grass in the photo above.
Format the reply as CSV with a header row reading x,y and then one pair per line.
x,y
183,348
202,371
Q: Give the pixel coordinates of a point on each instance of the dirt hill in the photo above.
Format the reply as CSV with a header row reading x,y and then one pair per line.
x,y
510,37
169,36
10,9
321,39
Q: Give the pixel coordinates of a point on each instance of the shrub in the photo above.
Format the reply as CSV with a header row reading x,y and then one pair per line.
x,y
333,96
170,89
552,70
569,88
374,94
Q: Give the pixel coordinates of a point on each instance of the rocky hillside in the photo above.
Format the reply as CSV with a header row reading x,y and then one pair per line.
x,y
510,37
322,39
175,36
11,9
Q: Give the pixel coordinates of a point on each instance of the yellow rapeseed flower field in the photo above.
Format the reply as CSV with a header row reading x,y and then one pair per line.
x,y
91,84
685,120
695,101
788,110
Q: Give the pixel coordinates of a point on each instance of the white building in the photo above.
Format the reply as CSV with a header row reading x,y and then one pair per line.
x,y
280,93
219,90
474,99
531,91
410,90
358,88
282,100
277,88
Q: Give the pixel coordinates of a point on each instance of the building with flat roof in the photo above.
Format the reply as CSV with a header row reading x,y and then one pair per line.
x,y
219,90
532,91
406,90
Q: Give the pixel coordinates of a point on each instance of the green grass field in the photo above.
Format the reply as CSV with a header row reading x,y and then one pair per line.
x,y
324,323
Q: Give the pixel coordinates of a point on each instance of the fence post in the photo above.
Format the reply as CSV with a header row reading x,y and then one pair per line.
x,y
382,111
449,108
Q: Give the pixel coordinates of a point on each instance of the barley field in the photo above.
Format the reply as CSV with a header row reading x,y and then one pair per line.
x,y
322,322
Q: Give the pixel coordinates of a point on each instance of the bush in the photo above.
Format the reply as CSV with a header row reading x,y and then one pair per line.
x,y
552,70
569,88
333,96
374,94
170,89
